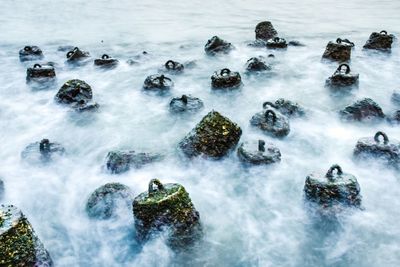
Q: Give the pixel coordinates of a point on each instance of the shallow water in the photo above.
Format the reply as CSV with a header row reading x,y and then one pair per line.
x,y
251,217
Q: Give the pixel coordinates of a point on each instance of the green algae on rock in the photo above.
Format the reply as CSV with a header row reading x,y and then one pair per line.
x,y
19,245
214,136
168,206
330,188
103,202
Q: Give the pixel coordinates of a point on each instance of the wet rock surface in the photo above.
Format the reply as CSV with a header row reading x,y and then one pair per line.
x,y
258,153
217,45
379,41
342,78
157,82
77,56
296,43
167,206
173,66
394,118
276,43
40,73
78,94
1,188
30,52
43,151
338,51
106,62
185,103
378,147
122,161
214,136
362,110
271,122
332,188
104,201
286,107
226,79
257,64
265,31
395,98
19,245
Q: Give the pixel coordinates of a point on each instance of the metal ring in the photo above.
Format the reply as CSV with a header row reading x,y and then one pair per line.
x,y
336,167
225,71
37,66
267,103
105,56
385,137
168,63
344,65
156,182
268,113
261,145
27,48
383,32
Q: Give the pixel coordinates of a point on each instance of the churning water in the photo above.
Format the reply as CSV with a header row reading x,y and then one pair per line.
x,y
251,217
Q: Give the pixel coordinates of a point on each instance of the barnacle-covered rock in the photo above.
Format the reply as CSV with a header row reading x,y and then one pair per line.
x,y
186,103
342,77
19,244
213,137
339,50
362,110
30,52
260,156
157,82
78,94
271,122
77,56
276,43
103,202
168,206
42,151
286,107
106,62
173,66
217,45
225,79
388,152
257,64
330,189
379,41
265,31
40,73
122,161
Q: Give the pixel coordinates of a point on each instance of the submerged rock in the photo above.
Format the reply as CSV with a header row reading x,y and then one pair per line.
x,y
106,62
174,66
265,31
295,43
395,117
338,51
214,136
103,202
217,46
19,244
396,97
76,55
276,43
379,41
330,189
157,82
342,78
226,79
1,189
257,64
260,156
186,103
168,206
42,151
65,48
40,74
272,123
122,161
388,152
30,52
286,107
362,110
